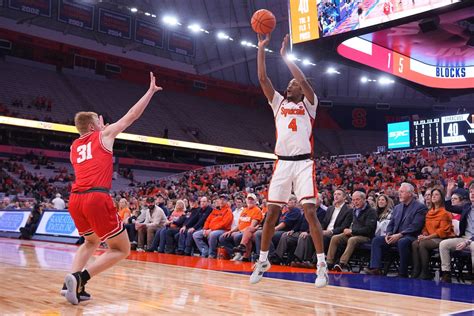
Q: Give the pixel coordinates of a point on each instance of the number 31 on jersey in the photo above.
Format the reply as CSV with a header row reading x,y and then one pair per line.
x,y
84,152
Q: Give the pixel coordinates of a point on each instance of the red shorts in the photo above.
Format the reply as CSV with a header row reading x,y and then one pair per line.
x,y
95,212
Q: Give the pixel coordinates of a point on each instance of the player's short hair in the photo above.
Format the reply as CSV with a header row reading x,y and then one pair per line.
x,y
82,121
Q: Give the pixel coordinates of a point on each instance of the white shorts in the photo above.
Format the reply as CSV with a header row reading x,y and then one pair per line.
x,y
299,175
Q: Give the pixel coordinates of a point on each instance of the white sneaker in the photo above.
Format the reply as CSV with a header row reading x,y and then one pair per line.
x,y
140,250
322,278
237,257
259,269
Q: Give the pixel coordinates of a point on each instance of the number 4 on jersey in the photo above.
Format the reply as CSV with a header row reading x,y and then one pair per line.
x,y
293,125
85,152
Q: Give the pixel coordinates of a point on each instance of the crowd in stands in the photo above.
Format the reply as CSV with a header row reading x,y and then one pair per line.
x,y
40,103
409,203
17,181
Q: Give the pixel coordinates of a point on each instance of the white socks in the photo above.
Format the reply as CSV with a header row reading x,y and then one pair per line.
x,y
320,256
264,256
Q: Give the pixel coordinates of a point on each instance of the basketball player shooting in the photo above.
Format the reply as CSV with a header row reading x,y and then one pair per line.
x,y
90,205
294,168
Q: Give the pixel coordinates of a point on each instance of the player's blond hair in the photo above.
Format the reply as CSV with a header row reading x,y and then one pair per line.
x,y
82,121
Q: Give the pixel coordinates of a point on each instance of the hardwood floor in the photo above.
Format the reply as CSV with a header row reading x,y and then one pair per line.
x,y
32,273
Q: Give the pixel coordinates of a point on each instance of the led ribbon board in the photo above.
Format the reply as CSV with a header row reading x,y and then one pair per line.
x,y
5,120
381,58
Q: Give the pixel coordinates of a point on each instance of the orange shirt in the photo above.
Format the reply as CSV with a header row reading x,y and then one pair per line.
x,y
220,219
124,213
248,215
439,222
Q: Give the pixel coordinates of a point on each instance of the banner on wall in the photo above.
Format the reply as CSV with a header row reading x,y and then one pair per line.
x,y
149,34
77,14
37,7
57,223
181,43
115,24
12,221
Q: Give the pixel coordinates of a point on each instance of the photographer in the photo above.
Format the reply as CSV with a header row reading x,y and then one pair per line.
x,y
32,223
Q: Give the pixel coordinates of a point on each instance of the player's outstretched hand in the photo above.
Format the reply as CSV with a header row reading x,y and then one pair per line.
x,y
153,86
101,123
263,42
284,45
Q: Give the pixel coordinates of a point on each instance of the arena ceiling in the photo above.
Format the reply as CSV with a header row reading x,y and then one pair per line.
x,y
231,61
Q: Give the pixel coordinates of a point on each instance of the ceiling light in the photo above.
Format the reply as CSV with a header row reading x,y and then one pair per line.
x,y
332,70
134,10
194,27
170,20
385,80
222,35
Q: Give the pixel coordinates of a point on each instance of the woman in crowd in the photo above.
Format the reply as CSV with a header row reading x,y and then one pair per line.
x,y
123,210
175,220
384,207
438,226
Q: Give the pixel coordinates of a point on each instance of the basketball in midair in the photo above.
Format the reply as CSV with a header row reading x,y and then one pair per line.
x,y
263,21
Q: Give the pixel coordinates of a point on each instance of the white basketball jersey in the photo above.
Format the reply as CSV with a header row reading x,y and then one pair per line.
x,y
294,125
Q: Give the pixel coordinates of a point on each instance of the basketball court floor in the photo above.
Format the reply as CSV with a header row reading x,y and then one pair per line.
x,y
31,274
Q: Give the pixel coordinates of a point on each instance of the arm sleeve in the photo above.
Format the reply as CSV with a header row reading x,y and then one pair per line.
x,y
207,222
453,208
445,227
292,219
418,222
192,220
369,227
391,224
346,223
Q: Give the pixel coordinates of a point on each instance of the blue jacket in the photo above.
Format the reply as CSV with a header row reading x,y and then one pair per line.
x,y
202,215
290,218
303,226
412,221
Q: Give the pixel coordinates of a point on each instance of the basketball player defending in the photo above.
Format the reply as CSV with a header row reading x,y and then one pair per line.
x,y
90,204
294,117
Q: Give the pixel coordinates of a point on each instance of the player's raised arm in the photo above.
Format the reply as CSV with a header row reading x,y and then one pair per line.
x,y
265,82
111,131
296,71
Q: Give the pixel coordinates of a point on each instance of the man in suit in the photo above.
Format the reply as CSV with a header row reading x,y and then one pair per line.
x,y
364,224
405,225
337,218
465,240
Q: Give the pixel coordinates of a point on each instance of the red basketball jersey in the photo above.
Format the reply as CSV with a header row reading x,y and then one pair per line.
x,y
92,162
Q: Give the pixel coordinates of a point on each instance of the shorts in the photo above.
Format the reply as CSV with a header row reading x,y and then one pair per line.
x,y
95,212
297,175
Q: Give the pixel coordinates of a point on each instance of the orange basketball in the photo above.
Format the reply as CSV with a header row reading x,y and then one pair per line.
x,y
263,21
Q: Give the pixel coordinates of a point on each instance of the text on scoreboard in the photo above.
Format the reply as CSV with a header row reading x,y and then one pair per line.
x,y
445,130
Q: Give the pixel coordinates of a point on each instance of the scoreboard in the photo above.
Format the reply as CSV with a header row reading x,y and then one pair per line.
x,y
457,129
445,130
364,51
426,133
